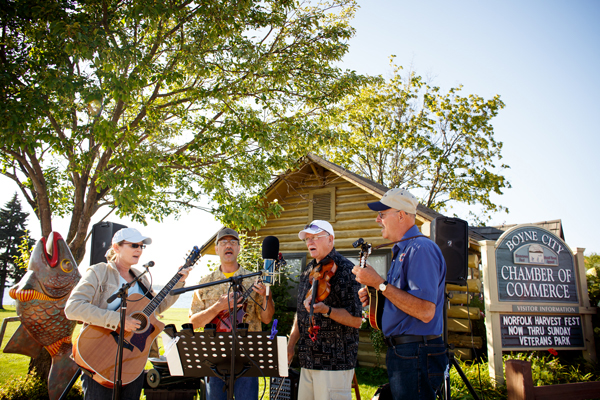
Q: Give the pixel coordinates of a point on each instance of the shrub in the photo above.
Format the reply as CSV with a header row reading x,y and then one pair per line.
x,y
32,387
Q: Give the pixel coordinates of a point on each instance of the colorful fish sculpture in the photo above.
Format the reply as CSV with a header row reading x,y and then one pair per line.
x,y
40,297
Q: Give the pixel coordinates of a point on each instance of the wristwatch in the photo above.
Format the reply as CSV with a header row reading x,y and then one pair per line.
x,y
383,286
328,313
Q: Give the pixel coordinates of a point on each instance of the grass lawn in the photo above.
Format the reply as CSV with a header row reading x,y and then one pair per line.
x,y
12,364
16,365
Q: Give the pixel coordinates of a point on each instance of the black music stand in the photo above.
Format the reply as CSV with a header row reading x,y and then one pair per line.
x,y
209,353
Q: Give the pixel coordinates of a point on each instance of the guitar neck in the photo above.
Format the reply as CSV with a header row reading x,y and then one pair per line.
x,y
160,297
364,254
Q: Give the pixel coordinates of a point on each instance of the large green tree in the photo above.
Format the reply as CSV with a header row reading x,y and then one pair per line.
x,y
13,232
404,132
147,107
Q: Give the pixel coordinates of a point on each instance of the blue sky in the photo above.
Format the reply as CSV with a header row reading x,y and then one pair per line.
x,y
541,57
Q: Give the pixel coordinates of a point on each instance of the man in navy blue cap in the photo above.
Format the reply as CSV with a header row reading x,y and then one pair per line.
x,y
412,320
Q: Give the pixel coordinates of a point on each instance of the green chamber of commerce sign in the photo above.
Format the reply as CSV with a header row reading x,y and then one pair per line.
x,y
534,265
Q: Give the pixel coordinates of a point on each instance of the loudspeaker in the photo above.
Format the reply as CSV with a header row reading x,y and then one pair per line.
x,y
452,236
102,234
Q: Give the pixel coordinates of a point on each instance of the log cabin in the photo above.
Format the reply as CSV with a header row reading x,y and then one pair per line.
x,y
319,189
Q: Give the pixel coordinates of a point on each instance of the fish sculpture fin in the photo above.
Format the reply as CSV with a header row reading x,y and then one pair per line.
x,y
22,342
62,370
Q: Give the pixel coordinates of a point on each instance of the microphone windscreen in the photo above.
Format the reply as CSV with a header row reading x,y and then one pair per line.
x,y
270,248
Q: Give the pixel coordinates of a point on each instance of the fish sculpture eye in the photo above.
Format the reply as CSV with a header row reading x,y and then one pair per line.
x,y
66,265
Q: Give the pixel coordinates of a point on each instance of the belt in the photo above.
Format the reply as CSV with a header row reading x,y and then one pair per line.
x,y
403,339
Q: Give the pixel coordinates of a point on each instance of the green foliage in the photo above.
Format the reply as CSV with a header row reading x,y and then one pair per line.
x,y
32,387
150,108
375,335
369,379
478,376
25,249
408,133
592,266
379,345
15,244
551,370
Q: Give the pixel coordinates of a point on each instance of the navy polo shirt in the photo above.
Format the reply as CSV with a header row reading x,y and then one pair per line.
x,y
419,269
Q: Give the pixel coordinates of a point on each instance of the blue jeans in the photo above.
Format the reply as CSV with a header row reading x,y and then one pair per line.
x,y
244,388
416,370
92,390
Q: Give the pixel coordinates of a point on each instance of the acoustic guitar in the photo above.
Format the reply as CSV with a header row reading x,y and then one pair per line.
x,y
223,319
376,298
96,347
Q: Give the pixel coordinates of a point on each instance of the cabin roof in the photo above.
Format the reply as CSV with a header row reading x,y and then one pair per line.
x,y
494,232
369,186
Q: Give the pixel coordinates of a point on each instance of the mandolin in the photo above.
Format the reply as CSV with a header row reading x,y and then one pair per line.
x,y
95,350
376,298
223,319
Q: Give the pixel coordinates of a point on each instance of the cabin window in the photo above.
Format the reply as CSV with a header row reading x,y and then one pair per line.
x,y
322,205
296,262
379,260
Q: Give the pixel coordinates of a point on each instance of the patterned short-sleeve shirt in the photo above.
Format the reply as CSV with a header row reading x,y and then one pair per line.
x,y
206,297
336,346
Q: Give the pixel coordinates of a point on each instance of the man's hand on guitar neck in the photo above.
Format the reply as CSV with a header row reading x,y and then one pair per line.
x,y
367,276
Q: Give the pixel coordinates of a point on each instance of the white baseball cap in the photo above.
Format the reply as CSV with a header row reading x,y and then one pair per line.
x,y
399,199
131,235
315,227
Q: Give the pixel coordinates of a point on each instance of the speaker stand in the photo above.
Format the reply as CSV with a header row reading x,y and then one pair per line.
x,y
452,360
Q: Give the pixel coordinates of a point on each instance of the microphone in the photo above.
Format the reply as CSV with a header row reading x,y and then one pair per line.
x,y
149,264
270,253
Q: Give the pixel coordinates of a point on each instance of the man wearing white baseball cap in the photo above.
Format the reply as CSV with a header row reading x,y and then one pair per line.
x,y
328,358
412,319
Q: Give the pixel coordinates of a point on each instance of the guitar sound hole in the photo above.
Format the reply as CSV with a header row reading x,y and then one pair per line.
x,y
142,319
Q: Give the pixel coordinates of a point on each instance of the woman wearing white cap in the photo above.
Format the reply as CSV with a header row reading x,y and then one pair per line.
x,y
88,301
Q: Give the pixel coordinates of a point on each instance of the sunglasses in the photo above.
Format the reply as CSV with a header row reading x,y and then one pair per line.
x,y
136,245
313,226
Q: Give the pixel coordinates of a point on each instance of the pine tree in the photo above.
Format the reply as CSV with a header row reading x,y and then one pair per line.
x,y
12,231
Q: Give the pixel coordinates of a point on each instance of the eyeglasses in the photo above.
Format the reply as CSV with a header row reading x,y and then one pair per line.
x,y
382,215
136,245
225,241
314,238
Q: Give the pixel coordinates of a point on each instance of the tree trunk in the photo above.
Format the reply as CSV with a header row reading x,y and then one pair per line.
x,y
41,365
3,274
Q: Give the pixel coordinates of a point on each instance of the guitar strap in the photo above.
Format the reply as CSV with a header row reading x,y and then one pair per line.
x,y
403,240
147,292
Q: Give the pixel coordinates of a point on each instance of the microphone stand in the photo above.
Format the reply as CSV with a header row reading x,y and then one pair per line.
x,y
234,281
122,294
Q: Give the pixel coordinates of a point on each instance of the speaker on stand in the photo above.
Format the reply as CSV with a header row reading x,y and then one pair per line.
x,y
102,234
452,237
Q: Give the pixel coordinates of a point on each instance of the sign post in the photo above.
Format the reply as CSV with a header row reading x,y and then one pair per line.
x,y
535,296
